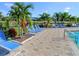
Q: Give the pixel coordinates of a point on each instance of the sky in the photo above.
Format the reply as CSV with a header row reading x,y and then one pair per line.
x,y
48,7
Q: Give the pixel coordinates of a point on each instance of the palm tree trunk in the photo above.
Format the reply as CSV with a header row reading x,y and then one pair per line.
x,y
19,28
76,21
24,29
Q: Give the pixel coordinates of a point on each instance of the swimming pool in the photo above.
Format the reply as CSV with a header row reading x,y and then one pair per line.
x,y
74,36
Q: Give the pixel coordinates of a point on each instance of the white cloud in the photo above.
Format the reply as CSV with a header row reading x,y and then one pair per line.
x,y
8,5
67,9
45,10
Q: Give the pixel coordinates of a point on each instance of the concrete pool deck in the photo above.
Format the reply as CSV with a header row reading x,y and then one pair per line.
x,y
49,42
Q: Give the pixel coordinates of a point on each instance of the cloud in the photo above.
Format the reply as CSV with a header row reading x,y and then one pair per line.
x,y
8,5
45,10
67,9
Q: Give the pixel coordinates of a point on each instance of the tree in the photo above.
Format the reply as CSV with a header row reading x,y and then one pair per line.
x,y
20,11
26,16
64,16
73,18
56,17
7,19
15,12
45,17
61,17
1,16
78,19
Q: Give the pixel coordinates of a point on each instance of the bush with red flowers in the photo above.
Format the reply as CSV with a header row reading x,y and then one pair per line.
x,y
12,32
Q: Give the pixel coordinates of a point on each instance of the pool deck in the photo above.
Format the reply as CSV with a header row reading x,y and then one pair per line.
x,y
50,42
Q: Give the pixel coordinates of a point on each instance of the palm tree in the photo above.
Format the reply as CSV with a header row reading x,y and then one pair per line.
x,y
78,19
73,18
16,13
1,16
26,16
45,17
56,17
7,19
64,16
7,25
61,16
20,11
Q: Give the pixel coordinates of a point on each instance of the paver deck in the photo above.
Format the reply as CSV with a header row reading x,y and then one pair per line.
x,y
49,42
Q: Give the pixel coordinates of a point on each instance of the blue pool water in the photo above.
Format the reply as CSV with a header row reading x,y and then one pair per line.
x,y
74,37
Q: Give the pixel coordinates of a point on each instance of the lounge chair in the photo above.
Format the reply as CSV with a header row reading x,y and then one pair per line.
x,y
10,45
59,25
35,29
3,51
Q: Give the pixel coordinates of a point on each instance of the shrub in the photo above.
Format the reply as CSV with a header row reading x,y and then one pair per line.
x,y
41,26
12,32
0,25
68,25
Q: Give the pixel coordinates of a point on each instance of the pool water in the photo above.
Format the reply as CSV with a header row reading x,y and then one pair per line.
x,y
74,37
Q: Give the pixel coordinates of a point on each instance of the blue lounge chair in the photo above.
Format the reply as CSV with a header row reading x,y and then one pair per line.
x,y
35,29
7,44
61,25
3,51
77,25
2,35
